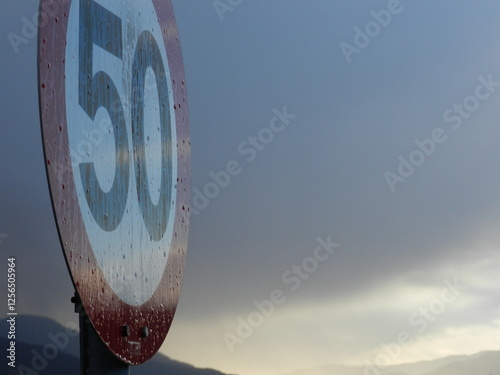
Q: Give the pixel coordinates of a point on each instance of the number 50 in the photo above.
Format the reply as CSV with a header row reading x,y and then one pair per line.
x,y
100,27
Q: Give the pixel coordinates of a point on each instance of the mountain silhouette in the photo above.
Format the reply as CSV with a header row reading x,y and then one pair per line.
x,y
483,363
45,347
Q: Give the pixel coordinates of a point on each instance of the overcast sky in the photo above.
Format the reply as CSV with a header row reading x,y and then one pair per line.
x,y
386,145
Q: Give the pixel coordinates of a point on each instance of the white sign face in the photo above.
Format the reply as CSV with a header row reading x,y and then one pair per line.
x,y
115,125
122,140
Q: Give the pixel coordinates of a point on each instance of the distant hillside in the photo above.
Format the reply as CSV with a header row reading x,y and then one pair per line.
x,y
162,365
63,364
484,363
33,332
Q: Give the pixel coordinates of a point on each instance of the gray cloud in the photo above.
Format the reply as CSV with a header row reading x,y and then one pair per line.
x,y
322,176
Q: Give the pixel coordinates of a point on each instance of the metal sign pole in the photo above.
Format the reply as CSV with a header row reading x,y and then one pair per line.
x,y
95,357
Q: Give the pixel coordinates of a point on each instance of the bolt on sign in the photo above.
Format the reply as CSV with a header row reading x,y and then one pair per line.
x,y
115,126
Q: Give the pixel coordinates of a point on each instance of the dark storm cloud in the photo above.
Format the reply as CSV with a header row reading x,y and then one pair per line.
x,y
323,175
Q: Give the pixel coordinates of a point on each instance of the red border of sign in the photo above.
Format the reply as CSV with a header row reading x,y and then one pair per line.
x,y
106,311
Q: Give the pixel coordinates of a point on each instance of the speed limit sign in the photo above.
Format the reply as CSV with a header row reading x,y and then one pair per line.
x,y
117,149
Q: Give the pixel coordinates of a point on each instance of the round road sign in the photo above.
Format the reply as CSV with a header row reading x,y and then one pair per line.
x,y
116,138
